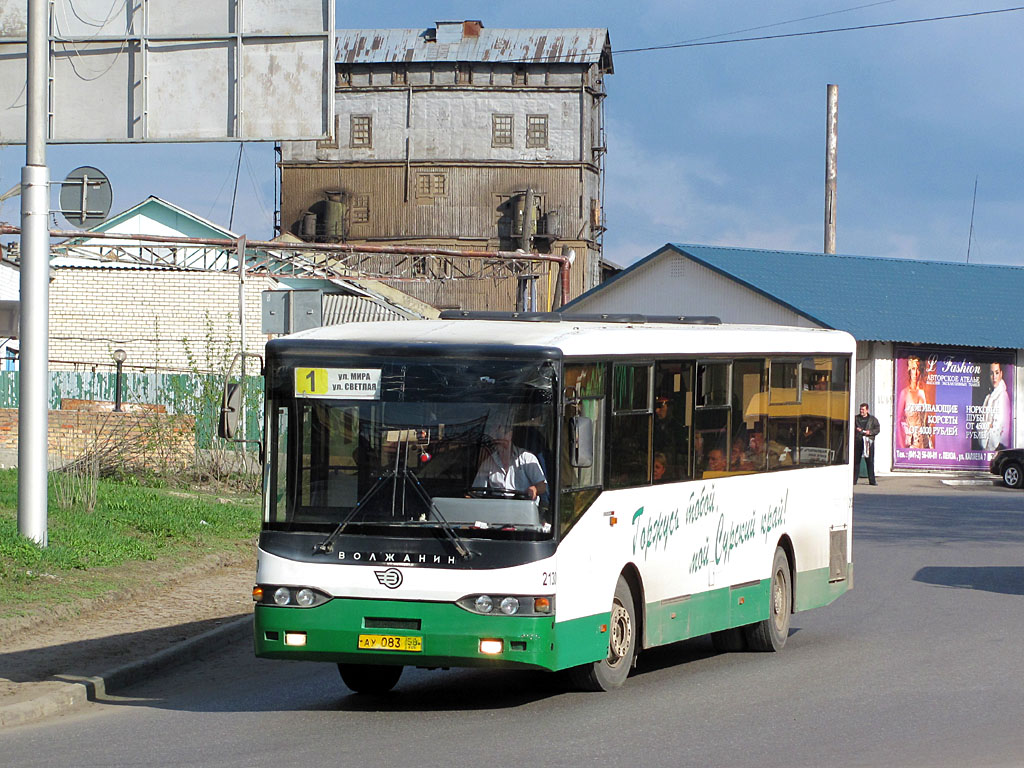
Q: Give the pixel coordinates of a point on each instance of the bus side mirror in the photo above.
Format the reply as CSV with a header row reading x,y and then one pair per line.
x,y
230,408
581,449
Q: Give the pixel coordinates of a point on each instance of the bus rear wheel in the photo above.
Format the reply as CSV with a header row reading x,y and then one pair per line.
x,y
771,634
370,678
611,672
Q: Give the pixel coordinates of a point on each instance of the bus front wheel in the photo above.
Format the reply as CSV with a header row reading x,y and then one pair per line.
x,y
771,634
370,678
611,672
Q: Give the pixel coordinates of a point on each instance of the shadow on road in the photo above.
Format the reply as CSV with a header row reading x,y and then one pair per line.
x,y
1006,580
96,655
946,517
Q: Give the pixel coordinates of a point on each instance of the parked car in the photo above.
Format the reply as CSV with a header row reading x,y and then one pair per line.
x,y
1009,464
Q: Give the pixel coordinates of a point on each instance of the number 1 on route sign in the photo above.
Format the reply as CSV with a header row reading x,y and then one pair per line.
x,y
338,383
310,382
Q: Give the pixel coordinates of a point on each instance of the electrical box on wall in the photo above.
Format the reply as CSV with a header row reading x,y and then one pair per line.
x,y
10,318
292,311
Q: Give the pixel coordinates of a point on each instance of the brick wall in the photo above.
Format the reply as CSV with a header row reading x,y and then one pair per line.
x,y
149,438
156,316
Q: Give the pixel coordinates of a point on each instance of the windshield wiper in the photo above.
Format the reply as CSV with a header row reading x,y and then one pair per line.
x,y
405,473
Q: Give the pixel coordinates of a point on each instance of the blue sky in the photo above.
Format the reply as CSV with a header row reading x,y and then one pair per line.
x,y
724,144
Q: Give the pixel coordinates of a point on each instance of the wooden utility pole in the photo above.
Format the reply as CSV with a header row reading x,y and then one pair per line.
x,y
831,143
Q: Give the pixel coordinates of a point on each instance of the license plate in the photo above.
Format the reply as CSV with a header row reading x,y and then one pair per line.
x,y
390,643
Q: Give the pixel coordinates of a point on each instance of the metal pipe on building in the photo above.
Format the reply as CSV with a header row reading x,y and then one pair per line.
x,y
119,357
831,149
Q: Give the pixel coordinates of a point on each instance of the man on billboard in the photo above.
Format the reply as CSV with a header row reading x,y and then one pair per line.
x,y
995,427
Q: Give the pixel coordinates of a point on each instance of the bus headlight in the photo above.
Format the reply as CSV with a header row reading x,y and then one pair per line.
x,y
508,605
483,604
288,597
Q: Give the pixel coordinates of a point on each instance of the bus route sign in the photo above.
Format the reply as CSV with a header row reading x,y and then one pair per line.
x,y
338,383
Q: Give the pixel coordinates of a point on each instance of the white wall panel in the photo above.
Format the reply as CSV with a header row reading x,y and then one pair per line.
x,y
675,285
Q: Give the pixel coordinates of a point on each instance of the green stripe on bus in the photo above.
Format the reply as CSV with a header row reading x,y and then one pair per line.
x,y
451,635
669,621
813,588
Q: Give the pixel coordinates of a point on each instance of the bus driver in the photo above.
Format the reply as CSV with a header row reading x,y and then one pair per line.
x,y
509,468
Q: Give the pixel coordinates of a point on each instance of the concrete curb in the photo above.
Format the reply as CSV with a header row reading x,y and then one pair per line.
x,y
76,692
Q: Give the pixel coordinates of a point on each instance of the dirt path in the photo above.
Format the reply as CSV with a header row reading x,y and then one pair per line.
x,y
162,604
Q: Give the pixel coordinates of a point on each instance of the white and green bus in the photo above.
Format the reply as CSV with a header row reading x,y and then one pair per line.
x,y
695,480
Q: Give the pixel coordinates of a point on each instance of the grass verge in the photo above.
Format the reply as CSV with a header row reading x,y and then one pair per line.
x,y
90,552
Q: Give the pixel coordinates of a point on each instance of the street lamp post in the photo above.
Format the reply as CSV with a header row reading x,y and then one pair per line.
x,y
119,357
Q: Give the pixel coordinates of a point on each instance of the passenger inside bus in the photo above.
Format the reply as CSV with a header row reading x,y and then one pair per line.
x,y
660,468
716,461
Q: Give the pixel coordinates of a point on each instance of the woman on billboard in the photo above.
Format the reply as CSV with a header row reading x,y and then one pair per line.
x,y
912,410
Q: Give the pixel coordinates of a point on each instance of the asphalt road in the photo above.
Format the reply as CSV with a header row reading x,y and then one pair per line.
x,y
921,665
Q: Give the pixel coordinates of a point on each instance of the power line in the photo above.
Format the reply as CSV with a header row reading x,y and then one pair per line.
x,y
861,27
790,21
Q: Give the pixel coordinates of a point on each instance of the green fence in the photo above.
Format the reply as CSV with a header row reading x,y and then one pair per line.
x,y
192,394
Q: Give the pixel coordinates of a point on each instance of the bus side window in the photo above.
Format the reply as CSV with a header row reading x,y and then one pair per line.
x,y
839,421
278,504
584,388
711,418
629,453
673,395
747,453
784,404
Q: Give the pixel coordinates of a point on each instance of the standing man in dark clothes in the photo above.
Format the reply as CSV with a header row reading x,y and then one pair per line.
x,y
866,427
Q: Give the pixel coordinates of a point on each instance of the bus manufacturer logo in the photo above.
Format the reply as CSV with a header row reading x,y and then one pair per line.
x,y
391,578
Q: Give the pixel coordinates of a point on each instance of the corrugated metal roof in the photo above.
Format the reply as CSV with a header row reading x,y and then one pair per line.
x,y
339,308
877,299
542,46
84,262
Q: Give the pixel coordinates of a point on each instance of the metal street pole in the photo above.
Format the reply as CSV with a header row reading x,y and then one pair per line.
x,y
240,252
33,402
831,151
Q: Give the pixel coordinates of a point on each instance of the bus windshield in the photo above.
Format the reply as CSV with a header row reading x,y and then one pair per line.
x,y
423,443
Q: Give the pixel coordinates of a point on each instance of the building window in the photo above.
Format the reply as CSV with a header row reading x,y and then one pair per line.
x,y
360,209
362,132
501,130
431,185
536,130
463,75
398,77
519,76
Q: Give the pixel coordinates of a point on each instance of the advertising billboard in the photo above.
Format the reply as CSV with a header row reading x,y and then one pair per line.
x,y
174,70
953,407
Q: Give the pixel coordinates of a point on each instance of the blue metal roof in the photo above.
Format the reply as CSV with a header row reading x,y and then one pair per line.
x,y
878,299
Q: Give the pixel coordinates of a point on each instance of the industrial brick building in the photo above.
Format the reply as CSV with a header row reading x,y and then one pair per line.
x,y
461,137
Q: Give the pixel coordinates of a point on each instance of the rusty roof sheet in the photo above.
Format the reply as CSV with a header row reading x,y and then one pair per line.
x,y
339,308
538,46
